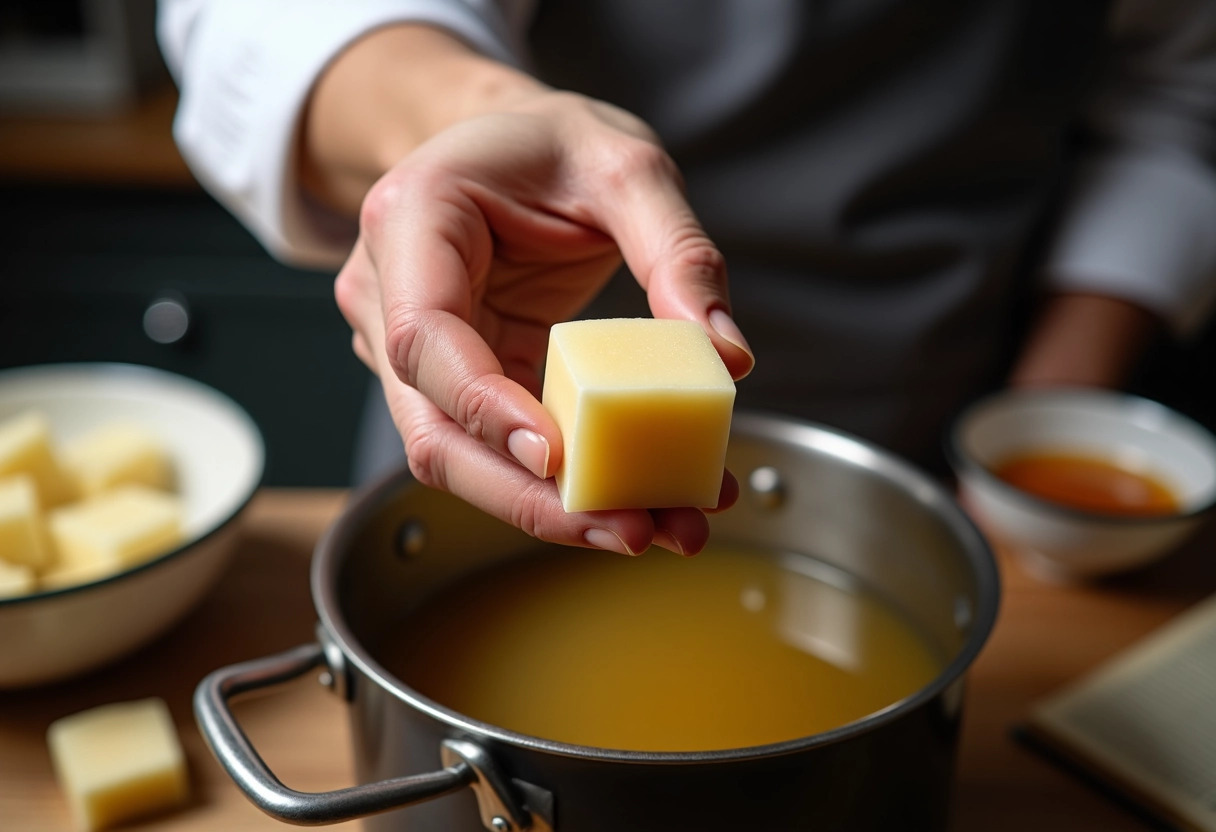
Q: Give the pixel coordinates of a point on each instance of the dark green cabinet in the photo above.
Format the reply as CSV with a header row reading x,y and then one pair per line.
x,y
80,268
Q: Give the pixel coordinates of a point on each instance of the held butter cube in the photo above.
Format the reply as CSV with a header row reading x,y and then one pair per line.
x,y
23,538
119,528
119,762
117,454
25,448
644,406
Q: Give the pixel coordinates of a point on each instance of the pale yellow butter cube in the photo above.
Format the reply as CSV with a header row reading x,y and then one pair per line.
x,y
25,448
644,407
16,580
120,528
23,538
119,762
117,454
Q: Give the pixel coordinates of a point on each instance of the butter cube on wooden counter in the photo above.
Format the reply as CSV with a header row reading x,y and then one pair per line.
x,y
117,454
644,406
119,762
23,538
120,528
25,448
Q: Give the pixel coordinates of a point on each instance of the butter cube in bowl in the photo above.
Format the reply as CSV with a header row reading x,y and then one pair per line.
x,y
23,538
120,491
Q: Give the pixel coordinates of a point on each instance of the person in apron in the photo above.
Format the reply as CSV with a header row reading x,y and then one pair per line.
x,y
916,202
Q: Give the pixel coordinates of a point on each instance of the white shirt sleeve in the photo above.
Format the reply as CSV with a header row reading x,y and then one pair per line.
x,y
245,69
1140,221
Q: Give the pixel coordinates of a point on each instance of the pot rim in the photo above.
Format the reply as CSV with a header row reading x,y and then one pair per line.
x,y
805,434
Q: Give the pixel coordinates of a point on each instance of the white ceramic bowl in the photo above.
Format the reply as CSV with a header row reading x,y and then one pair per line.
x,y
1060,543
219,458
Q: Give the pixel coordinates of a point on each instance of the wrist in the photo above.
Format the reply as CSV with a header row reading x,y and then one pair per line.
x,y
1084,340
386,94
429,81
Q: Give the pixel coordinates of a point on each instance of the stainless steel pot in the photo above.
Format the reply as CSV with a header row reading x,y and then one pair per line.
x,y
807,490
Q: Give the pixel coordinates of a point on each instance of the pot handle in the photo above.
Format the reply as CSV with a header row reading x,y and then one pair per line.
x,y
238,757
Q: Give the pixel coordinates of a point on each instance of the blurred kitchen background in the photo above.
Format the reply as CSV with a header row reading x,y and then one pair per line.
x,y
110,251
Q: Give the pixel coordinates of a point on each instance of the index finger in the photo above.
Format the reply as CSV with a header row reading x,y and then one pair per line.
x,y
429,263
668,252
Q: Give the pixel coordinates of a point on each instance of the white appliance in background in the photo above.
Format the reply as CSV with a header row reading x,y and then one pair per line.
x,y
75,56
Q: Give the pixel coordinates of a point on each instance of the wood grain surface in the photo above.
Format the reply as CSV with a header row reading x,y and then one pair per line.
x,y
1045,636
130,148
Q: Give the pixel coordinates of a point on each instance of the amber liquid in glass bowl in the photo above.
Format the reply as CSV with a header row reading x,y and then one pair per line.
x,y
1088,482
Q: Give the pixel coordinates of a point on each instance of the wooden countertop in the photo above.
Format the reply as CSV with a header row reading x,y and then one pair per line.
x,y
131,148
1046,636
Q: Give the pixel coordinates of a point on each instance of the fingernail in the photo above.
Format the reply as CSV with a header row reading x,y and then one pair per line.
x,y
725,326
666,540
606,539
531,450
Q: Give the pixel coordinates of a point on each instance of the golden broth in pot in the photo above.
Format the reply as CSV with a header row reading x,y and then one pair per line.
x,y
659,653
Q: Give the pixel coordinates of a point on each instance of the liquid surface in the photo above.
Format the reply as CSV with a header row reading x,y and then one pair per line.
x,y
657,653
1089,483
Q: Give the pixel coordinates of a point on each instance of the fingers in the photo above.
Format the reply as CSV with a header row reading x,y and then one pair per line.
x,y
440,354
442,455
358,300
680,268
686,531
681,530
442,292
429,265
729,495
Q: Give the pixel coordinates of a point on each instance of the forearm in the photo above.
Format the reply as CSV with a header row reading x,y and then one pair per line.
x,y
1084,340
388,93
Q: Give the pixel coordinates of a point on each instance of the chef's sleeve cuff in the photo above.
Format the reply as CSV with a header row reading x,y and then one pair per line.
x,y
1141,226
246,70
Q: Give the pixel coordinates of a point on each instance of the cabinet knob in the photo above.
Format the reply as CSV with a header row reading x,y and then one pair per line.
x,y
167,319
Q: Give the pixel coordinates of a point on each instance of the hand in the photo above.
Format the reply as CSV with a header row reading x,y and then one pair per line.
x,y
476,243
1084,340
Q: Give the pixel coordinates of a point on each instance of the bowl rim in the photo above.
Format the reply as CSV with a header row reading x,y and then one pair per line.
x,y
145,371
964,463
